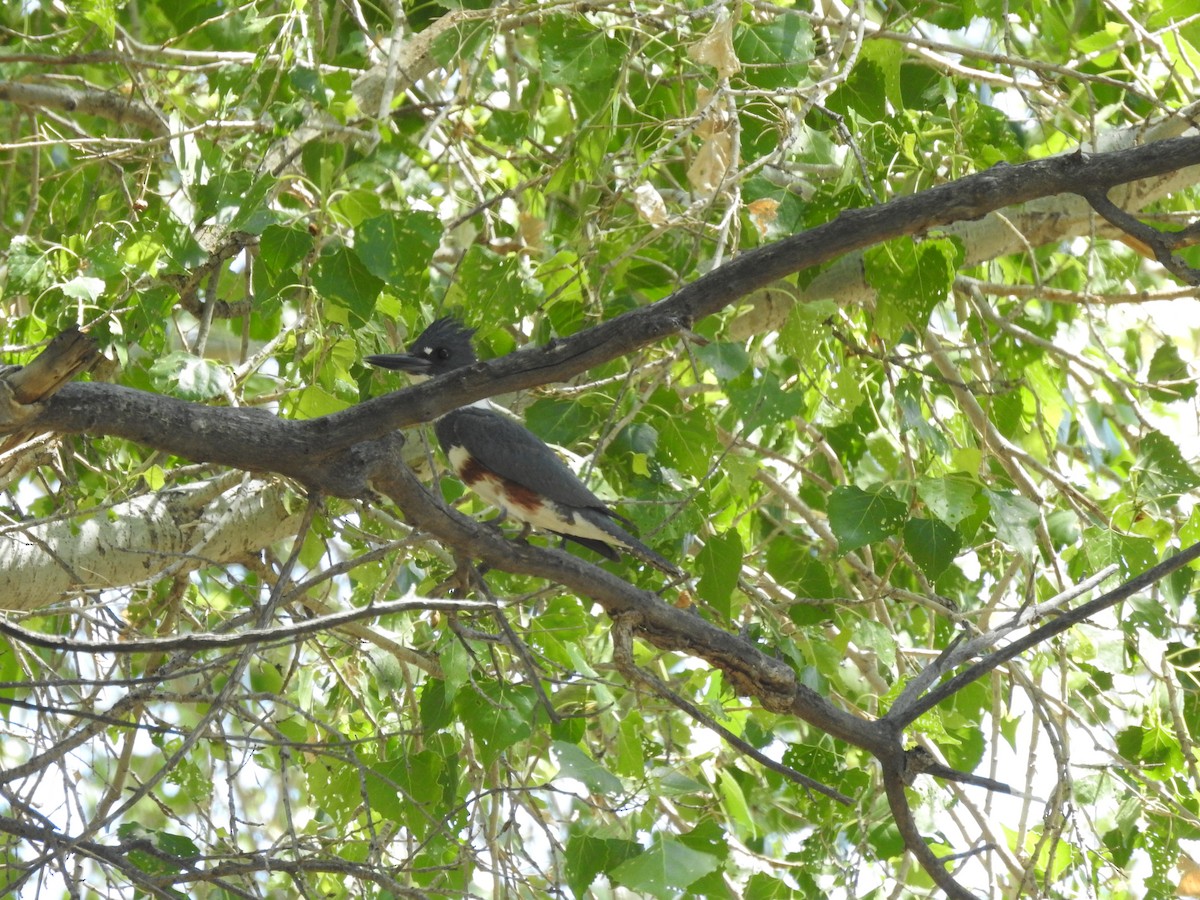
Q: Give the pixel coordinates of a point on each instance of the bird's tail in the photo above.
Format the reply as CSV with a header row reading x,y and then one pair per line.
x,y
625,541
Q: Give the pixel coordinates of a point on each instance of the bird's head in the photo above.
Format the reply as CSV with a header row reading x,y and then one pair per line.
x,y
442,347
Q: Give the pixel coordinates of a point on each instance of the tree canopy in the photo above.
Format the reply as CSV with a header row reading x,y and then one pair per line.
x,y
877,320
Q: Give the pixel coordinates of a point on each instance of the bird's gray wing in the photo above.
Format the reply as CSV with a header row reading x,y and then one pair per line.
x,y
513,452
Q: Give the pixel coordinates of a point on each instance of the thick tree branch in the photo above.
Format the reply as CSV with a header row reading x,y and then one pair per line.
x,y
68,354
105,104
893,782
748,670
242,438
174,530
348,453
965,198
309,450
339,454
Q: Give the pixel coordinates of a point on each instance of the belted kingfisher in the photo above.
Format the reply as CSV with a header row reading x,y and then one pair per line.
x,y
506,464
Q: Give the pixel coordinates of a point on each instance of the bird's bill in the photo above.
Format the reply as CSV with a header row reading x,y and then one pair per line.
x,y
401,362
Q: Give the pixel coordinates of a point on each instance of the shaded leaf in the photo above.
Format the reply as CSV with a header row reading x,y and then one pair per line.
x,y
931,545
860,517
951,498
574,763
720,564
667,867
190,377
1015,518
342,279
589,855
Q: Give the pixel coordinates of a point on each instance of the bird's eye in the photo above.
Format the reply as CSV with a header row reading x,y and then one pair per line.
x,y
442,353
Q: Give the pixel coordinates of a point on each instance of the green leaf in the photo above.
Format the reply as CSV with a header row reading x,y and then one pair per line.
x,y
10,671
666,868
776,53
860,517
29,271
101,13
357,206
341,278
631,756
864,93
640,440
1159,750
437,711
767,887
84,288
708,837
1161,468
562,422
238,197
720,564
910,279
951,498
964,742
176,844
765,401
405,788
151,863
461,42
575,53
931,545
871,635
1167,366
1063,527
733,801
1185,661
190,377
398,250
808,325
726,360
687,441
280,248
1101,547
307,82
265,677
797,567
496,721
886,841
989,135
457,663
910,400
314,402
492,283
574,763
1015,518
507,126
589,855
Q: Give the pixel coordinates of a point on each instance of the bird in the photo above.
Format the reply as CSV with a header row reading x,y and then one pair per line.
x,y
509,466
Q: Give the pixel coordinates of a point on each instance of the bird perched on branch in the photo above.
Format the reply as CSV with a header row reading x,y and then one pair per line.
x,y
507,465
